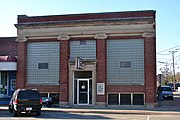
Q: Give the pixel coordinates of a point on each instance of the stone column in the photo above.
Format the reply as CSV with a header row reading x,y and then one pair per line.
x,y
64,80
21,76
150,68
101,67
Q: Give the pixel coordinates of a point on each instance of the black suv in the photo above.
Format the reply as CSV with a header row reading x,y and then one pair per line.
x,y
25,101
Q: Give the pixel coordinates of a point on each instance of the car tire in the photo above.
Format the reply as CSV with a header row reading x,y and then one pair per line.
x,y
10,110
172,98
38,113
15,113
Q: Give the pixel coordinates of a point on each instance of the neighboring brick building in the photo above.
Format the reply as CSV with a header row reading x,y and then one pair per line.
x,y
118,50
8,68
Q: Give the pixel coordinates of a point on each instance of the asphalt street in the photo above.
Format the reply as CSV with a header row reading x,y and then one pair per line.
x,y
5,115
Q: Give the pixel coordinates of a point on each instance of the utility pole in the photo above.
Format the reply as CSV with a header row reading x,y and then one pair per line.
x,y
166,70
174,51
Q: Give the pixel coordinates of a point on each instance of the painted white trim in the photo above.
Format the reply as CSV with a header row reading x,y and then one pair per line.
x,y
8,66
85,36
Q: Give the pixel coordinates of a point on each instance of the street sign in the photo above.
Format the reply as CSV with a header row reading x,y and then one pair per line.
x,y
79,63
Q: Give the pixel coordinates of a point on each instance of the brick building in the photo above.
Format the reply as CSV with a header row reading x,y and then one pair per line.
x,y
96,59
8,68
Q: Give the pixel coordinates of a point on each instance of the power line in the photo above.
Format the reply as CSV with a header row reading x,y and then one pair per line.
x,y
168,49
173,51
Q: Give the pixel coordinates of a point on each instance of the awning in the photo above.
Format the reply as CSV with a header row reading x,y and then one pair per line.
x,y
8,63
8,59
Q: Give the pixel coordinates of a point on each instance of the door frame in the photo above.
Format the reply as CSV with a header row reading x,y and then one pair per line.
x,y
78,80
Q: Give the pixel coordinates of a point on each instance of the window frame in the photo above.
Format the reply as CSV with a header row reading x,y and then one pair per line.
x,y
13,84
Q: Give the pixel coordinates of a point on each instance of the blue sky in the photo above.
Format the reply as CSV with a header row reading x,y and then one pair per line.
x,y
167,17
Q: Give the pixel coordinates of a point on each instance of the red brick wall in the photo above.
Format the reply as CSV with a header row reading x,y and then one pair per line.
x,y
150,69
22,65
45,88
8,46
101,66
125,88
130,14
64,73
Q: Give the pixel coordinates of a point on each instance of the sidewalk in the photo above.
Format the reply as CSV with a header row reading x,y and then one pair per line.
x,y
143,111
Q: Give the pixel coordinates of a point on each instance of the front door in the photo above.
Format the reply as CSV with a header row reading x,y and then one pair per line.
x,y
83,91
3,84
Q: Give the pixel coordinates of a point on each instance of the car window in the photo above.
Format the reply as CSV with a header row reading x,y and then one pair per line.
x,y
166,89
29,95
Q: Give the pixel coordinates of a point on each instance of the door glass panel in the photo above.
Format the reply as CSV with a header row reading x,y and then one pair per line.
x,y
83,92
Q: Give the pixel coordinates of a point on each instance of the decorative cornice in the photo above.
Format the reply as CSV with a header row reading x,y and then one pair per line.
x,y
21,39
63,37
148,34
86,30
100,36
